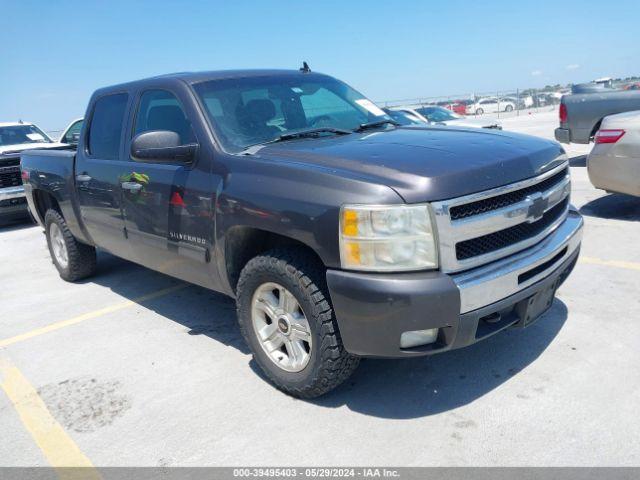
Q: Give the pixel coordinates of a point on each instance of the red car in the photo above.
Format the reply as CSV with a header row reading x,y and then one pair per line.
x,y
457,106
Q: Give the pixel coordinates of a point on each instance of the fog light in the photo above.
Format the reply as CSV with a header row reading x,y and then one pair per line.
x,y
416,338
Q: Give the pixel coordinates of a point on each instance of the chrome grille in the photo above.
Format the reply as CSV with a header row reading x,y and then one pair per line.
x,y
506,199
479,228
509,236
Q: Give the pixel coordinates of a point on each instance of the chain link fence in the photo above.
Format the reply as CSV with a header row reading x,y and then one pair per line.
x,y
506,103
500,103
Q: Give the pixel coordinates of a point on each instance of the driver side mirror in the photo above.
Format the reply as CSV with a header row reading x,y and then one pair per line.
x,y
162,146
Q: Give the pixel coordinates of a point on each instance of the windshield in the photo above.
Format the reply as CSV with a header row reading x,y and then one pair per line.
x,y
253,110
19,134
437,114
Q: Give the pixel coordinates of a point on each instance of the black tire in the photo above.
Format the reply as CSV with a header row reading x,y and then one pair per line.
x,y
508,108
479,111
81,257
329,364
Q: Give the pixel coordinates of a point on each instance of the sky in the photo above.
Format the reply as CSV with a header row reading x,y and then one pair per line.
x,y
53,55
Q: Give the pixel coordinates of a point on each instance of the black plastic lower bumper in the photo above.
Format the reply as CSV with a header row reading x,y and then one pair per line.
x,y
373,310
13,207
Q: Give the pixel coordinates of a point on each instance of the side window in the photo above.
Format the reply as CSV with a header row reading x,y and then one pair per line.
x,y
161,110
106,126
73,134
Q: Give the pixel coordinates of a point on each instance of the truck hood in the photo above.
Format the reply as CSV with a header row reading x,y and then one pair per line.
x,y
11,149
425,163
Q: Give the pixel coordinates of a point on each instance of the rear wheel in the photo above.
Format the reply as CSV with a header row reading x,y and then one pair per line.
x,y
287,320
73,260
508,108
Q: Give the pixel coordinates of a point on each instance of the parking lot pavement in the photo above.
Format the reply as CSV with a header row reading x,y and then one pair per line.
x,y
136,368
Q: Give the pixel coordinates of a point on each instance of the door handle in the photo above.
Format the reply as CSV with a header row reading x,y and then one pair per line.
x,y
83,177
131,186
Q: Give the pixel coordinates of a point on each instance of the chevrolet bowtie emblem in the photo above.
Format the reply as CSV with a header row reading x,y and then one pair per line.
x,y
537,207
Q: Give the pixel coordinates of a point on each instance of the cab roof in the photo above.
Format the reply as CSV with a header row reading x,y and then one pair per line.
x,y
197,77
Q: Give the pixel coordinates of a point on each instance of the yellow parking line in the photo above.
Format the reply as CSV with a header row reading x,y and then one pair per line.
x,y
88,316
59,449
610,263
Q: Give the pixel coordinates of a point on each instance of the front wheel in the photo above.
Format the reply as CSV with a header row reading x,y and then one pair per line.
x,y
73,260
508,108
479,111
287,320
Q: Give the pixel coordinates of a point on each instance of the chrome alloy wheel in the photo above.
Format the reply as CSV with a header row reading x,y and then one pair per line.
x,y
281,327
58,246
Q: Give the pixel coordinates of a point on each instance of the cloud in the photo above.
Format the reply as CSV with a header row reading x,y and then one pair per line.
x,y
573,66
536,73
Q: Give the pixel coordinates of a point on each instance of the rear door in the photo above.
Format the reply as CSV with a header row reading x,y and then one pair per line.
x,y
168,218
99,167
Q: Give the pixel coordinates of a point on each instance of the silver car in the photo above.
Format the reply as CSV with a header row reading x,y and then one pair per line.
x,y
441,116
614,162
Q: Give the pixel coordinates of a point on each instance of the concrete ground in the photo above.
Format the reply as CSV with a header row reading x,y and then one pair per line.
x,y
134,368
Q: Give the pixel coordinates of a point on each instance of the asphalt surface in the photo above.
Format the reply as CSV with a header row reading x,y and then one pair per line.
x,y
166,380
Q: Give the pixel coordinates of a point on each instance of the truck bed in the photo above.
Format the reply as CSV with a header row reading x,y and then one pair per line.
x,y
52,171
585,111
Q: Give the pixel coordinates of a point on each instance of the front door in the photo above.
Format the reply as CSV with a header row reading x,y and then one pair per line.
x,y
168,207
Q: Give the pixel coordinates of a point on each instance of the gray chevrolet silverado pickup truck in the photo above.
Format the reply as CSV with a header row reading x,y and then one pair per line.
x,y
581,114
340,234
16,137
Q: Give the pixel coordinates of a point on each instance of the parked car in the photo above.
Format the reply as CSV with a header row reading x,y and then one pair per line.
x,y
339,233
519,103
581,115
556,97
71,134
614,161
16,137
490,105
527,101
589,88
459,106
441,116
403,117
544,99
456,106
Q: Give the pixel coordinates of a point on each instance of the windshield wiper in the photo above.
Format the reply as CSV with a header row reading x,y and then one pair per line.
x,y
312,132
376,124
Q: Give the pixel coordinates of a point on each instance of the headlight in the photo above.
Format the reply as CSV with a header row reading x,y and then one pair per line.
x,y
387,238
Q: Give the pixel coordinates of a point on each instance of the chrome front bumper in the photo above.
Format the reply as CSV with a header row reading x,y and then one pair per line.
x,y
11,192
498,280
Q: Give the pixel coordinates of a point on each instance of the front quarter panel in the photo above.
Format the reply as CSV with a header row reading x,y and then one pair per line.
x,y
293,200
